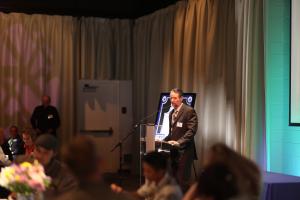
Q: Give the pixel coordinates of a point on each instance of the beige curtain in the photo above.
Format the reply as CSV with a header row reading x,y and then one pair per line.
x,y
43,54
105,49
250,59
190,45
152,42
204,46
210,47
36,58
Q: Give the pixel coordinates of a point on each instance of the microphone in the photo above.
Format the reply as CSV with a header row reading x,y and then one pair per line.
x,y
145,118
149,116
131,132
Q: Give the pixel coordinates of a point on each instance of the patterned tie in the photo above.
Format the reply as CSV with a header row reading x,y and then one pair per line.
x,y
174,116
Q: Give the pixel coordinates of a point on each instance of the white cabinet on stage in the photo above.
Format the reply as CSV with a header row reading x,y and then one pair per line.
x,y
105,111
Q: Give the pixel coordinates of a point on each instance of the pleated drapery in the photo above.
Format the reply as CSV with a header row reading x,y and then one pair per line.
x,y
211,47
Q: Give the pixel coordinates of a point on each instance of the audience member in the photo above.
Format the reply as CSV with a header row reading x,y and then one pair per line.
x,y
15,143
247,173
4,155
62,180
45,118
28,137
159,185
83,160
4,145
216,182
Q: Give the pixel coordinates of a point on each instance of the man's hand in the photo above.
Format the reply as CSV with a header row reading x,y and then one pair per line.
x,y
174,143
115,188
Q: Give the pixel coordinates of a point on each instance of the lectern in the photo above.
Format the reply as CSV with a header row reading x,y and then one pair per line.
x,y
147,144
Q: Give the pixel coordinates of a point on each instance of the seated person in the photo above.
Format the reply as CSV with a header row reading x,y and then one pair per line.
x,y
84,161
15,142
159,185
61,179
247,173
4,161
5,153
216,182
28,138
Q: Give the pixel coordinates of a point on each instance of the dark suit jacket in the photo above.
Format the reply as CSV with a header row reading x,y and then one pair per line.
x,y
45,118
184,128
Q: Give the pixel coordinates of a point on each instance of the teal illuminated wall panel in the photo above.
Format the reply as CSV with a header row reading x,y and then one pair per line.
x,y
283,141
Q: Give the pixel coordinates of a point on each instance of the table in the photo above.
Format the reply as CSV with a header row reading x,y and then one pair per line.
x,y
280,187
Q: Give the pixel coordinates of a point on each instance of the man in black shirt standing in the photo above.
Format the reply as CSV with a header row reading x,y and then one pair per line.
x,y
45,118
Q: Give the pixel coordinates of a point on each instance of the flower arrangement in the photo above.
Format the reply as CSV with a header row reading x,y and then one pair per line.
x,y
25,178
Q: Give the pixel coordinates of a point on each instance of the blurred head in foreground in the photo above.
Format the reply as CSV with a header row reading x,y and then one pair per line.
x,y
216,182
246,171
83,160
154,166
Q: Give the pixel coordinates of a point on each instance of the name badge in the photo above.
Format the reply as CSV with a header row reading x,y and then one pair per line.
x,y
50,116
179,124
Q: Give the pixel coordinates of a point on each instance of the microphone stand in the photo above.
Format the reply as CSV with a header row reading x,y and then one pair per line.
x,y
131,132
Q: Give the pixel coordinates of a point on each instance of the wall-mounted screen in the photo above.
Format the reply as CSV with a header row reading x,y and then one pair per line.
x,y
295,64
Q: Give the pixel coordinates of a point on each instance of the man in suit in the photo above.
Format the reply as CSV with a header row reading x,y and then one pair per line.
x,y
183,126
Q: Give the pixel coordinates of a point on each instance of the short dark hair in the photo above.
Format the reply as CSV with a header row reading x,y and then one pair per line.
x,y
47,141
156,160
217,181
177,91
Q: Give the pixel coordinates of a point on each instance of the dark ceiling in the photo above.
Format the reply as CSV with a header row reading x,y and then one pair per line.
x,y
98,8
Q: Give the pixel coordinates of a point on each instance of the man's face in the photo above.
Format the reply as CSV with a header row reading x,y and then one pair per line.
x,y
45,101
43,155
13,131
27,139
151,174
176,100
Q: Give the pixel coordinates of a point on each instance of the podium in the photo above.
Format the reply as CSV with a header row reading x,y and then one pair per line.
x,y
147,144
147,138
